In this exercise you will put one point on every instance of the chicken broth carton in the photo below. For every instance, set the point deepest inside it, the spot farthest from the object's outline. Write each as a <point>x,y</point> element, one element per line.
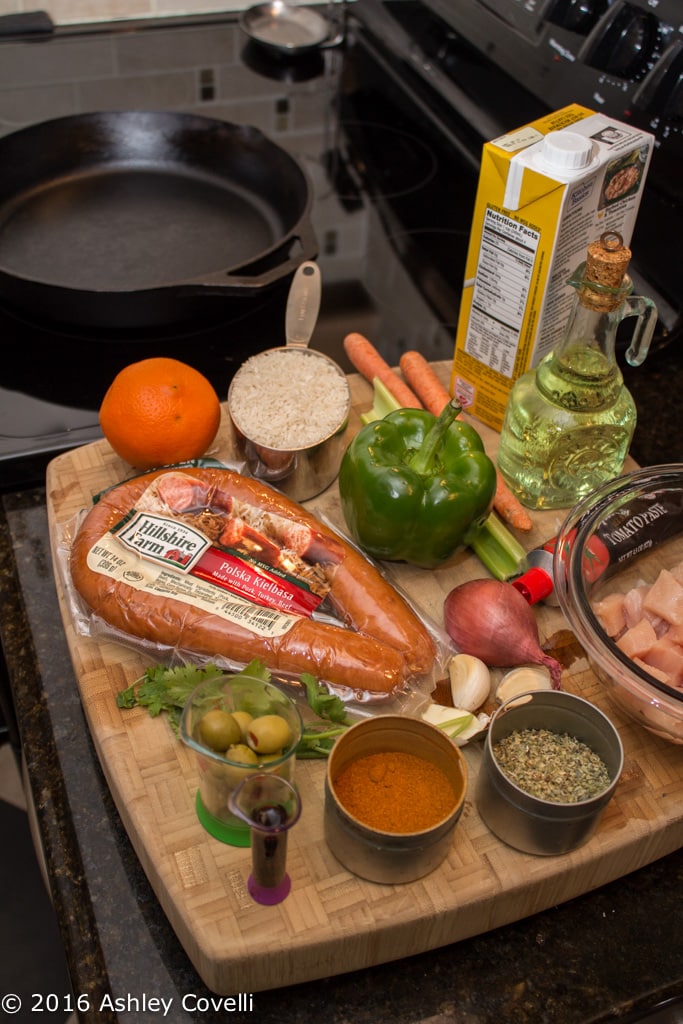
<point>545,192</point>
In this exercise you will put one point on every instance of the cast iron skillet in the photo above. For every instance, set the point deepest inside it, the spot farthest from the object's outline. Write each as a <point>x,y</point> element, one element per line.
<point>134,218</point>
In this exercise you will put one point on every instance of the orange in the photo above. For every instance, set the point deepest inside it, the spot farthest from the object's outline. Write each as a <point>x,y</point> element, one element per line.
<point>158,412</point>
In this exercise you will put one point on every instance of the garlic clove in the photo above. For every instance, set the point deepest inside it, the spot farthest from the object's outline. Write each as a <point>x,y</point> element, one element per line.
<point>458,724</point>
<point>447,717</point>
<point>522,680</point>
<point>477,726</point>
<point>470,681</point>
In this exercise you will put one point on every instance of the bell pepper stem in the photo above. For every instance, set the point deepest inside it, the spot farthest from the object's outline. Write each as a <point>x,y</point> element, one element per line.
<point>422,460</point>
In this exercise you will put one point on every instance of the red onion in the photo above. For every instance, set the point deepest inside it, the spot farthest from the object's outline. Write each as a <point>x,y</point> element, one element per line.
<point>492,621</point>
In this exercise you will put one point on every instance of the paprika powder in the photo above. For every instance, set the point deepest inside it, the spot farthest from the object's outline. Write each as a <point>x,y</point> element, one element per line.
<point>395,792</point>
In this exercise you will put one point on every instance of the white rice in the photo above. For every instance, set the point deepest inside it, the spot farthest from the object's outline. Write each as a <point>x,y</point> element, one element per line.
<point>288,398</point>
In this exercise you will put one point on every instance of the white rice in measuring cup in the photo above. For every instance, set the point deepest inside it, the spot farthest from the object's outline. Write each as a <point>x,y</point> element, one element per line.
<point>289,398</point>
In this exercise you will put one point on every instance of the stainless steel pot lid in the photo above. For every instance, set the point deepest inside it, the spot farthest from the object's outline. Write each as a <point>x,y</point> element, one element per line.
<point>287,28</point>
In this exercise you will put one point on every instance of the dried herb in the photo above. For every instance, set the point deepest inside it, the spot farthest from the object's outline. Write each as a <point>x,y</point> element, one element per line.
<point>551,766</point>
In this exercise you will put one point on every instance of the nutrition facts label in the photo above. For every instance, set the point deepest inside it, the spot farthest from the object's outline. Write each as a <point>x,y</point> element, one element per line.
<point>501,289</point>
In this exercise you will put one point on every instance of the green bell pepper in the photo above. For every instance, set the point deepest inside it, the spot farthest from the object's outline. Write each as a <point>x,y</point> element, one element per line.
<point>415,488</point>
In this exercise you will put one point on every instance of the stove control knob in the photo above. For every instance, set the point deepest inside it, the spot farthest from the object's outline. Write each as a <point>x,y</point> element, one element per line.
<point>623,43</point>
<point>577,15</point>
<point>661,93</point>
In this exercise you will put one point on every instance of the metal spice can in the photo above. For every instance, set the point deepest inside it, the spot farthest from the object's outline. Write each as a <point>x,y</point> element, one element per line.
<point>527,822</point>
<point>392,857</point>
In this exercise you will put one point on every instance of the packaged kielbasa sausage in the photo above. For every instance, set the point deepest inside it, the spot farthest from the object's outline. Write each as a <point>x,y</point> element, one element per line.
<point>208,563</point>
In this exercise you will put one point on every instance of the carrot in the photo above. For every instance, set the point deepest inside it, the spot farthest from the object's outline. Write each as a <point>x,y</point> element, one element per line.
<point>509,508</point>
<point>434,395</point>
<point>367,360</point>
<point>424,382</point>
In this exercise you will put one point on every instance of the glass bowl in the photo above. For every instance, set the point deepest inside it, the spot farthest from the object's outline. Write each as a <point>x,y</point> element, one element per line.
<point>621,537</point>
<point>221,774</point>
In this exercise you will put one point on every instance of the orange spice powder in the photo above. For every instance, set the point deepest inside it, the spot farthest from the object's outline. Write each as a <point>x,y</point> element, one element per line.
<point>395,792</point>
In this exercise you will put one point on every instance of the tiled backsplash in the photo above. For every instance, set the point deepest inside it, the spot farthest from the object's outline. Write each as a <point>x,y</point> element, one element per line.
<point>197,69</point>
<point>65,12</point>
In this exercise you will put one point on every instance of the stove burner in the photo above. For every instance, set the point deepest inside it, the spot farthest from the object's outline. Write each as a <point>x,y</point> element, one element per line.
<point>388,162</point>
<point>217,313</point>
<point>435,260</point>
<point>74,366</point>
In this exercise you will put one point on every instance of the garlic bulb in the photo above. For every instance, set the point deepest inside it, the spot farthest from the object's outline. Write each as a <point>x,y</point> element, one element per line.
<point>470,681</point>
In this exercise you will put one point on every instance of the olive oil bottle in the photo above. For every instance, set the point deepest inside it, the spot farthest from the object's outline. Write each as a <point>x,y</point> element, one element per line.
<point>570,421</point>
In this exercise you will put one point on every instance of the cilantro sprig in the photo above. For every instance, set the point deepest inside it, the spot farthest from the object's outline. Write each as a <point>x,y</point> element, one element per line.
<point>318,740</point>
<point>166,690</point>
<point>162,689</point>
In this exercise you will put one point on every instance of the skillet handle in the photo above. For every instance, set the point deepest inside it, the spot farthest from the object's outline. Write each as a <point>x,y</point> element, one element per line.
<point>260,273</point>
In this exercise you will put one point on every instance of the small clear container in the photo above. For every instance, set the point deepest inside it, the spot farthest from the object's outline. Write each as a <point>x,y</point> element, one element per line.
<point>220,775</point>
<point>270,806</point>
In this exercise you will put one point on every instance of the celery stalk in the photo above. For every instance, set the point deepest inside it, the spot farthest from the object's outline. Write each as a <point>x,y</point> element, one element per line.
<point>495,546</point>
<point>383,403</point>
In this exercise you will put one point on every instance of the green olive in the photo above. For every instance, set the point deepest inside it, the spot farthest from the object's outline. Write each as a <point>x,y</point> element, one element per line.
<point>268,734</point>
<point>244,720</point>
<point>274,755</point>
<point>218,729</point>
<point>243,762</point>
<point>241,753</point>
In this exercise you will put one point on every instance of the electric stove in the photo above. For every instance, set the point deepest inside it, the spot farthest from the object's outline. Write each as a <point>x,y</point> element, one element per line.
<point>388,126</point>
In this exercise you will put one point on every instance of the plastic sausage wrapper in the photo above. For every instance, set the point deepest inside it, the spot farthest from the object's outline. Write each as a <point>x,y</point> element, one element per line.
<point>200,563</point>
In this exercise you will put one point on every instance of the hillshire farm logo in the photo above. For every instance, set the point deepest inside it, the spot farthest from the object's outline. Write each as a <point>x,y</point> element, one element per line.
<point>162,540</point>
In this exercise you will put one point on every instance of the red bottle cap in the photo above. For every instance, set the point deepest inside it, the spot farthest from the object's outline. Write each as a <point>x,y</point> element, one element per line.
<point>534,585</point>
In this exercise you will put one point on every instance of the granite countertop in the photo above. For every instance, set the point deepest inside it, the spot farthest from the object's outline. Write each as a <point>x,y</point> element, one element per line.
<point>657,387</point>
<point>596,958</point>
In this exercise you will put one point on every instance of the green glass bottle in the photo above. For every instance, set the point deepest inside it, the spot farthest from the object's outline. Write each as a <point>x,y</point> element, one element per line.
<point>570,421</point>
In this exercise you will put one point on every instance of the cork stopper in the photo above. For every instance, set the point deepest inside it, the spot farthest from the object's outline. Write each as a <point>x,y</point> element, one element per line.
<point>606,266</point>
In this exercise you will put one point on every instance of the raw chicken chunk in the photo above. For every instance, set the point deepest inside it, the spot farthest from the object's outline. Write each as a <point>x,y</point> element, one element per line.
<point>611,613</point>
<point>665,599</point>
<point>646,623</point>
<point>668,658</point>
<point>637,641</point>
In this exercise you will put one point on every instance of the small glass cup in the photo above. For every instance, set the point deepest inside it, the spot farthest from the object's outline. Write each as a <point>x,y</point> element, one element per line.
<point>269,806</point>
<point>219,774</point>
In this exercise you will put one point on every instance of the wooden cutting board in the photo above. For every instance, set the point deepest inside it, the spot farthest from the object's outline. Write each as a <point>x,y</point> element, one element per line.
<point>333,922</point>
